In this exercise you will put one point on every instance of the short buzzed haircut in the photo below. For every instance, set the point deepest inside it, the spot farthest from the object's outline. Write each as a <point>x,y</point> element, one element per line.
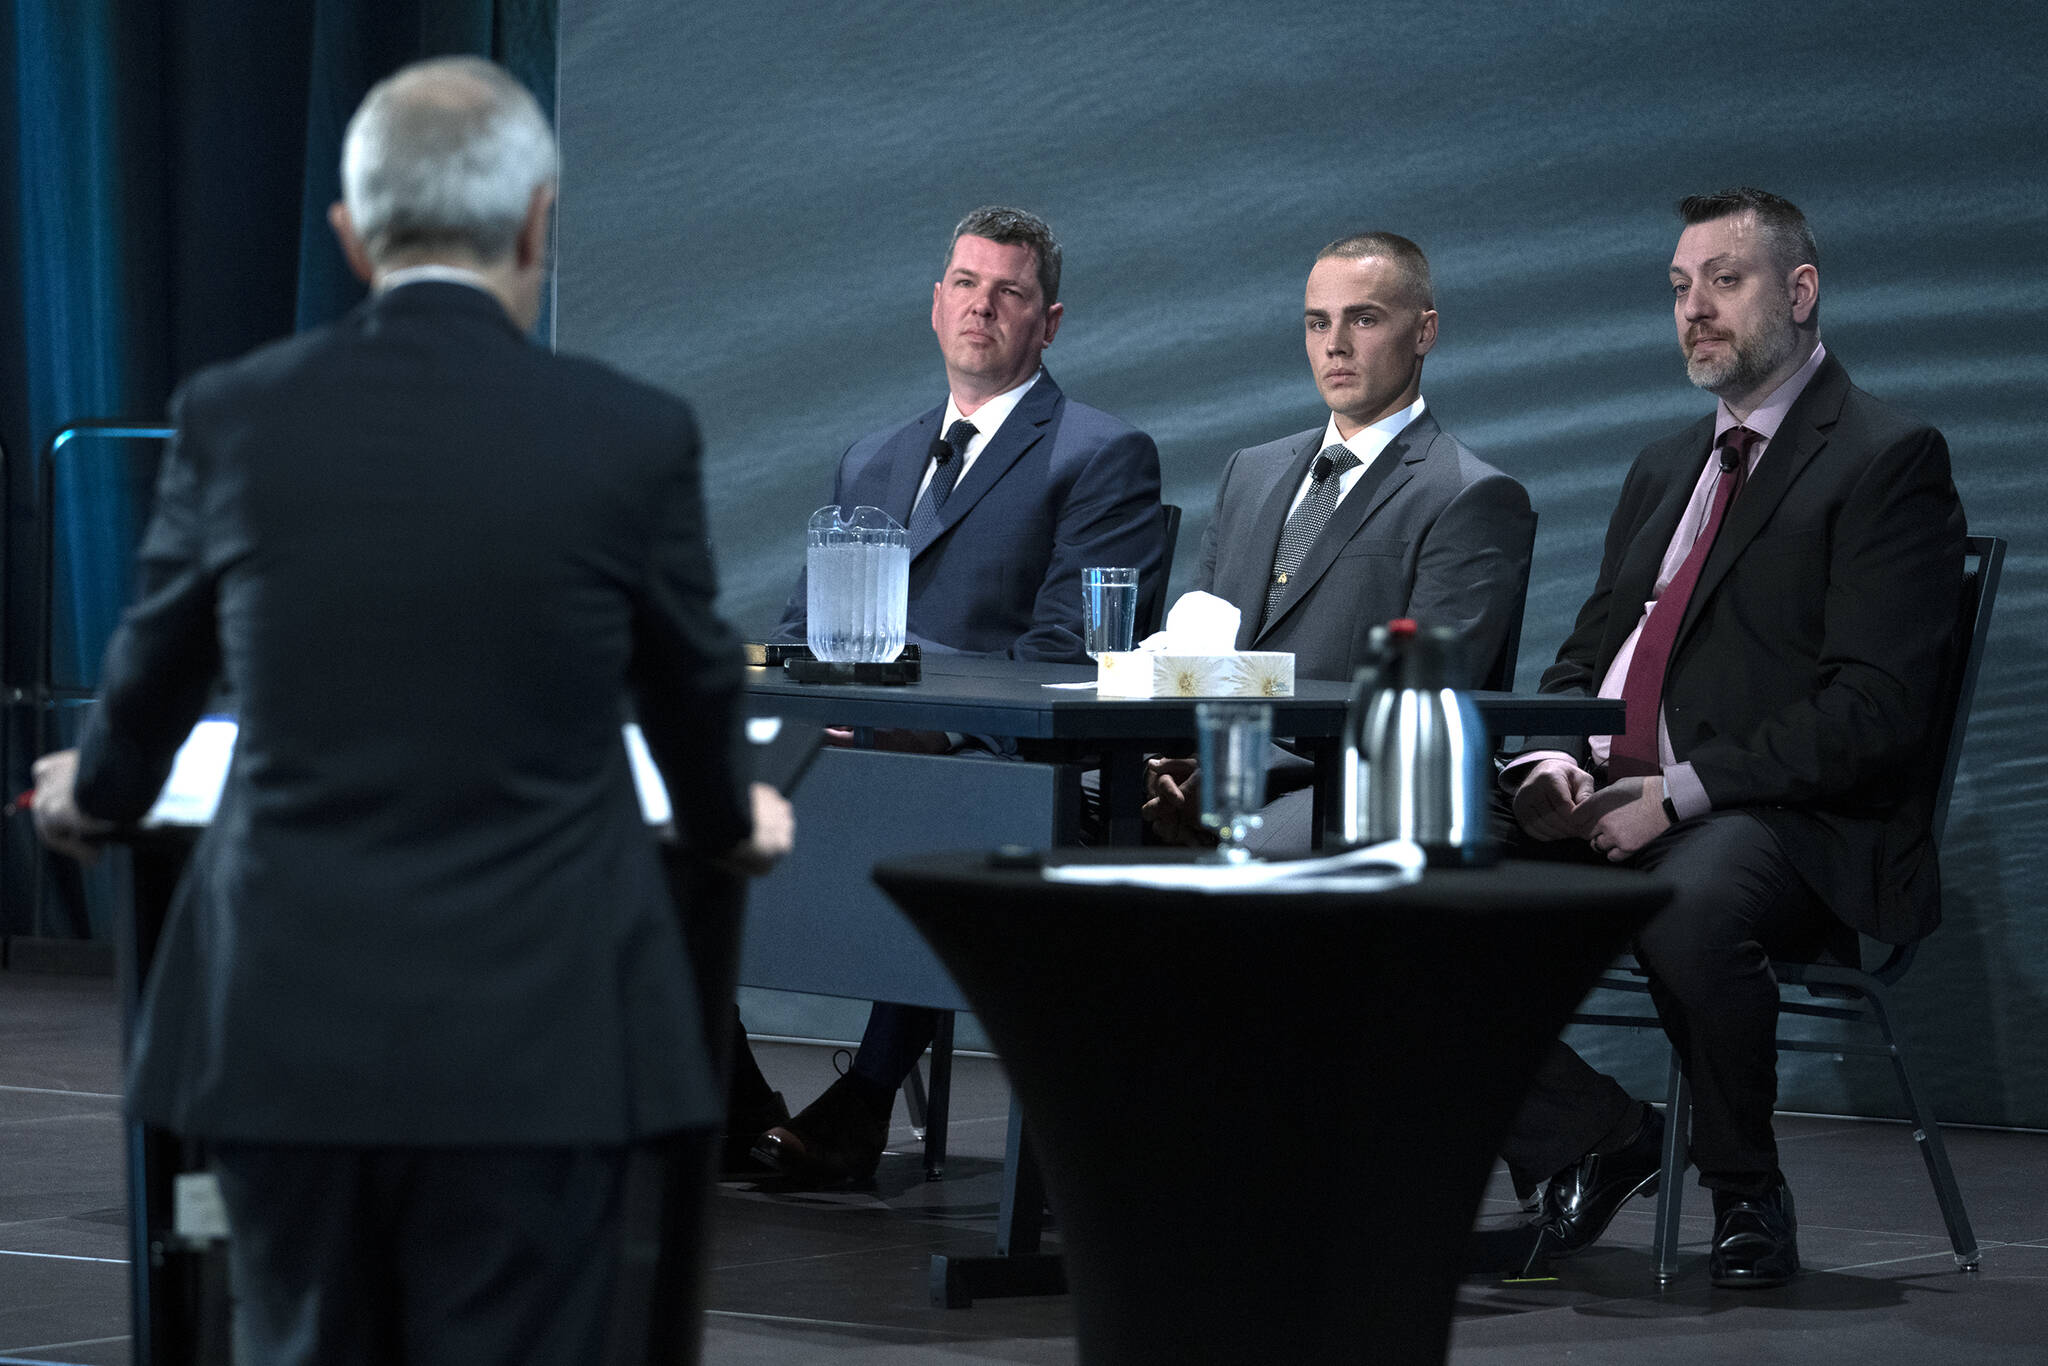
<point>1778,220</point>
<point>1389,246</point>
<point>1013,228</point>
<point>442,154</point>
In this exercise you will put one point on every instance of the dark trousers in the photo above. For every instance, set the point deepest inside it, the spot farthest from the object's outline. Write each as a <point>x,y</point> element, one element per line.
<point>1739,902</point>
<point>450,1256</point>
<point>896,1037</point>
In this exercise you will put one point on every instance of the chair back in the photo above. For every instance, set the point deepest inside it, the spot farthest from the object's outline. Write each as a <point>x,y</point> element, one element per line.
<point>1152,595</point>
<point>1983,562</point>
<point>1501,677</point>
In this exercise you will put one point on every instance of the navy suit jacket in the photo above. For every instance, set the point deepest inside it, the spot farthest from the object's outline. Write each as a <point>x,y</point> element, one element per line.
<point>1805,676</point>
<point>1059,488</point>
<point>433,561</point>
<point>1444,538</point>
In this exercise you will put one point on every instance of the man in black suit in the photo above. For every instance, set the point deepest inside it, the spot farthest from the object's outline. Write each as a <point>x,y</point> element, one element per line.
<point>1417,525</point>
<point>424,990</point>
<point>1776,603</point>
<point>1009,490</point>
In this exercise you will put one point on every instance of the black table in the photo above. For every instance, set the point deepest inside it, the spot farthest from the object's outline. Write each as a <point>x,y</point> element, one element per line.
<point>1266,1120</point>
<point>815,926</point>
<point>977,695</point>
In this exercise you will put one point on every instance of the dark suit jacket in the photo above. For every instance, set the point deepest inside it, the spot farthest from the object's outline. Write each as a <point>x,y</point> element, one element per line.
<point>1444,538</point>
<point>432,561</point>
<point>1803,683</point>
<point>1061,487</point>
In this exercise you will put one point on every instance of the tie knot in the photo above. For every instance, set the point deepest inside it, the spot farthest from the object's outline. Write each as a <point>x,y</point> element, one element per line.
<point>957,437</point>
<point>1740,441</point>
<point>1333,460</point>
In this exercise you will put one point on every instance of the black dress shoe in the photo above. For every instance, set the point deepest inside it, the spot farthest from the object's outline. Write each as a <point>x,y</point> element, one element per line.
<point>1581,1200</point>
<point>835,1139</point>
<point>736,1160</point>
<point>1756,1241</point>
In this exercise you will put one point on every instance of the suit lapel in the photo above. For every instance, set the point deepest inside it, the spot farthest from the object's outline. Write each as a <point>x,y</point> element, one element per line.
<point>1027,424</point>
<point>1263,539</point>
<point>1395,467</point>
<point>1800,438</point>
<point>909,452</point>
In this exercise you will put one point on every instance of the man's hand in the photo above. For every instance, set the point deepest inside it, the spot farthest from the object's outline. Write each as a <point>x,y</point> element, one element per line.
<point>1547,802</point>
<point>1174,807</point>
<point>1624,816</point>
<point>59,823</point>
<point>774,833</point>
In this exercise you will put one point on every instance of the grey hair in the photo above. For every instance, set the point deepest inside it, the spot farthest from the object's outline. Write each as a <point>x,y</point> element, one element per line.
<point>445,153</point>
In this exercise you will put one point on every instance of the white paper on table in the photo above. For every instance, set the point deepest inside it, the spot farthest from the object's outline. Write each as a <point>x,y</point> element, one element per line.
<point>1375,868</point>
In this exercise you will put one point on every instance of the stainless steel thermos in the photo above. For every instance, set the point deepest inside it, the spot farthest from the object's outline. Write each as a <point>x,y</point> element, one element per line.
<point>1417,758</point>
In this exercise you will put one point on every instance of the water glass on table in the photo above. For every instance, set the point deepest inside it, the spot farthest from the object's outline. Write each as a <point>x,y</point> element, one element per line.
<point>1109,609</point>
<point>1231,740</point>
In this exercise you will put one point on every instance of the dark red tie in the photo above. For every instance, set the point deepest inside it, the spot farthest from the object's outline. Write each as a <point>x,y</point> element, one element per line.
<point>1635,754</point>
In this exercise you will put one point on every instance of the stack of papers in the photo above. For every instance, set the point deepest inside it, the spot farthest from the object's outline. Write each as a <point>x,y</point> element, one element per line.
<point>1374,868</point>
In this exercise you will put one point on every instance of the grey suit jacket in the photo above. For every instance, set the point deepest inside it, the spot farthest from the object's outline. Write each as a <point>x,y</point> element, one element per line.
<point>1444,538</point>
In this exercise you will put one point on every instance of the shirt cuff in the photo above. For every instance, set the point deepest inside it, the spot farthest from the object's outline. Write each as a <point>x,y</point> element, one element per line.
<point>1687,794</point>
<point>1516,771</point>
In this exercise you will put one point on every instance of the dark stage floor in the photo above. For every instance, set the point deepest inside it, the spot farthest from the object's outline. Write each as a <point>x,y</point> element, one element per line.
<point>803,1278</point>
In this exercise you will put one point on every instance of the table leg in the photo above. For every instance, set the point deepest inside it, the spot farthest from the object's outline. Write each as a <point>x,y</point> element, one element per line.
<point>1018,1267</point>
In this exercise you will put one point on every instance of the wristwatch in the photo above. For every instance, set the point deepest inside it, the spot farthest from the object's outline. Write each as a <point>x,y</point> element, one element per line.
<point>1670,811</point>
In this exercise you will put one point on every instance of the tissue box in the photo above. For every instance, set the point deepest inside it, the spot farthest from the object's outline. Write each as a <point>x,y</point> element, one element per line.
<point>1161,673</point>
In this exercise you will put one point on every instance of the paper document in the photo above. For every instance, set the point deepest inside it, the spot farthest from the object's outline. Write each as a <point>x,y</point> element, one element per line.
<point>1374,868</point>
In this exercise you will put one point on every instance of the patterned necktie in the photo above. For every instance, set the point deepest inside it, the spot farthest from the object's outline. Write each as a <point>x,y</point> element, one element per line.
<point>1636,753</point>
<point>949,454</point>
<point>1306,524</point>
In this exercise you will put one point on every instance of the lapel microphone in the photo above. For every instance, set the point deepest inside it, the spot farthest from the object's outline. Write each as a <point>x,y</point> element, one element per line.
<point>941,451</point>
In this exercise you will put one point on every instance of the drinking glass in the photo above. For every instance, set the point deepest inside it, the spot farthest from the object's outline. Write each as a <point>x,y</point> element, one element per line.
<point>1231,749</point>
<point>1109,609</point>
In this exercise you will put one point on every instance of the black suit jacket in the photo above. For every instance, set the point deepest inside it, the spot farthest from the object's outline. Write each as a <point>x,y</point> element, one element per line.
<point>1804,680</point>
<point>432,561</point>
<point>1443,538</point>
<point>1060,488</point>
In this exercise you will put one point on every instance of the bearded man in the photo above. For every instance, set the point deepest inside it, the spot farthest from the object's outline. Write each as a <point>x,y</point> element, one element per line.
<point>1775,604</point>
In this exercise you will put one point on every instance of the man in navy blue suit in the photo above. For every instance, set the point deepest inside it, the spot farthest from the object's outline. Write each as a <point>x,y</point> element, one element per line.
<point>1009,489</point>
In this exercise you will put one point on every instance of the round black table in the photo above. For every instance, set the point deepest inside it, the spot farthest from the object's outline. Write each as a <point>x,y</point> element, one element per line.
<point>1266,1120</point>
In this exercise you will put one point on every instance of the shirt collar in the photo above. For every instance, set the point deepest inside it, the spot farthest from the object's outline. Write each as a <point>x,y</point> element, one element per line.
<point>1770,414</point>
<point>990,416</point>
<point>412,275</point>
<point>1367,442</point>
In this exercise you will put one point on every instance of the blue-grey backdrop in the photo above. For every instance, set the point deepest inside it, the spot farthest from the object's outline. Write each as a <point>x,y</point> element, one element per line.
<point>756,197</point>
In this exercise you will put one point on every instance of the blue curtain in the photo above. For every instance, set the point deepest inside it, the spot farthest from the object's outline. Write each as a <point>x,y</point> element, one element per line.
<point>165,172</point>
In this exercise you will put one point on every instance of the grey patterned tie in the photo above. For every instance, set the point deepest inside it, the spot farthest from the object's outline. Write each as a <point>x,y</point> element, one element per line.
<point>949,454</point>
<point>1307,522</point>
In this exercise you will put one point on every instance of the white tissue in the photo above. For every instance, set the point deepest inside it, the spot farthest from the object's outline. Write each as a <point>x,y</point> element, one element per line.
<point>1199,624</point>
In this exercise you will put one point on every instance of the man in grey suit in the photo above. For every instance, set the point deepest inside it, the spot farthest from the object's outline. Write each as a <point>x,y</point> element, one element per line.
<point>1376,514</point>
<point>423,991</point>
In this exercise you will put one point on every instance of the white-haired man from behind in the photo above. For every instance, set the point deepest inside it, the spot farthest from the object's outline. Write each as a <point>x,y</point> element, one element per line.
<point>423,992</point>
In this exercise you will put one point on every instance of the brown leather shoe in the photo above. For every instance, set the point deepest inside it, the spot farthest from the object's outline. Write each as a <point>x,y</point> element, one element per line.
<point>835,1139</point>
<point>736,1160</point>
